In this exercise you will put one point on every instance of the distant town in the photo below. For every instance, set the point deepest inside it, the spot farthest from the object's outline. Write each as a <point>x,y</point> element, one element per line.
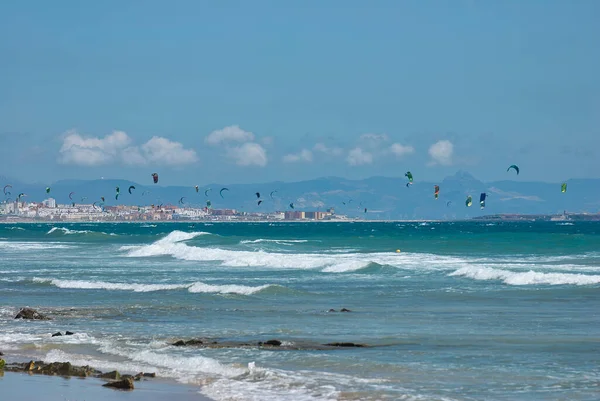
<point>49,210</point>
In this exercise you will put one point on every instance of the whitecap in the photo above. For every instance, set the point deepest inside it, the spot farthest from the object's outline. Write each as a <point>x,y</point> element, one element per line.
<point>526,278</point>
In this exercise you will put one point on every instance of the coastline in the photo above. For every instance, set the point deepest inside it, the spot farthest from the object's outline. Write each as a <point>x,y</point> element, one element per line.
<point>26,221</point>
<point>24,386</point>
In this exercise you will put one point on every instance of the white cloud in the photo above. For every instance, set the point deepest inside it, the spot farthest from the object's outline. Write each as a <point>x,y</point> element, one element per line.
<point>441,153</point>
<point>233,133</point>
<point>133,156</point>
<point>400,150</point>
<point>267,140</point>
<point>159,150</point>
<point>248,154</point>
<point>92,151</point>
<point>95,151</point>
<point>357,157</point>
<point>321,147</point>
<point>304,155</point>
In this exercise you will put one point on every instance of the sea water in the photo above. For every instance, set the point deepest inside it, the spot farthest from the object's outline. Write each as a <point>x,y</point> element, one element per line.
<point>464,310</point>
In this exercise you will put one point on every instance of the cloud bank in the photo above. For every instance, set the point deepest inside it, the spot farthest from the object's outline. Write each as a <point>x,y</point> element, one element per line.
<point>116,147</point>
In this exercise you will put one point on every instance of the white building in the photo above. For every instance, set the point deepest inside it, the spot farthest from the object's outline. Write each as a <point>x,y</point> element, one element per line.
<point>50,203</point>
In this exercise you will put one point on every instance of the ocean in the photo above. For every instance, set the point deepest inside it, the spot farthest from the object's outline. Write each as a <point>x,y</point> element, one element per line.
<point>464,310</point>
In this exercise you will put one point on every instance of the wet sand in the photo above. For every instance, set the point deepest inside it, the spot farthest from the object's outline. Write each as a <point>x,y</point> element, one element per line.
<point>23,386</point>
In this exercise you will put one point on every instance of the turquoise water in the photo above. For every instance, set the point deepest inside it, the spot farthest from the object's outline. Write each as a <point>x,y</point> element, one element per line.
<point>466,310</point>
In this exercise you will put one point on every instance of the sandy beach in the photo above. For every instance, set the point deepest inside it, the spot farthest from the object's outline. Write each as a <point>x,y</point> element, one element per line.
<point>24,386</point>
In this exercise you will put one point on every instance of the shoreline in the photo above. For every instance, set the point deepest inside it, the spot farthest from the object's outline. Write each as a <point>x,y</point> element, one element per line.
<point>28,386</point>
<point>222,222</point>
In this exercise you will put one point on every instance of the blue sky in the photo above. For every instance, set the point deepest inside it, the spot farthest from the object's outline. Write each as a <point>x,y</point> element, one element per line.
<point>267,90</point>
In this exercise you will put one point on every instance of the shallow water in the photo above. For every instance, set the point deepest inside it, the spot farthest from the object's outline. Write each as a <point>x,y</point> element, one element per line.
<point>466,310</point>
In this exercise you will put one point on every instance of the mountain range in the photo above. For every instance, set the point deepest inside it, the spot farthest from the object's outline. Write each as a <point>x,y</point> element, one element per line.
<point>383,197</point>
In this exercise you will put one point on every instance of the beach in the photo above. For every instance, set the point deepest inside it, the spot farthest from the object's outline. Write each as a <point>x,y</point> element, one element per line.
<point>23,386</point>
<point>455,311</point>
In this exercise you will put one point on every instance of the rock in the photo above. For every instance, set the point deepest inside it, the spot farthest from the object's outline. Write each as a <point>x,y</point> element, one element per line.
<point>344,345</point>
<point>125,384</point>
<point>345,310</point>
<point>114,375</point>
<point>1,354</point>
<point>181,343</point>
<point>332,310</point>
<point>56,334</point>
<point>52,369</point>
<point>149,374</point>
<point>2,364</point>
<point>28,313</point>
<point>68,333</point>
<point>65,369</point>
<point>273,343</point>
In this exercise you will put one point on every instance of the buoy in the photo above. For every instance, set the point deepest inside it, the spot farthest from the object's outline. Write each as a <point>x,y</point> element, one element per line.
<point>397,250</point>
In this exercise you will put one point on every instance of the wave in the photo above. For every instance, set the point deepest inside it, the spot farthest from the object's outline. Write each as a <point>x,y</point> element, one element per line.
<point>196,287</point>
<point>228,288</point>
<point>287,242</point>
<point>526,278</point>
<point>329,262</point>
<point>32,246</point>
<point>66,231</point>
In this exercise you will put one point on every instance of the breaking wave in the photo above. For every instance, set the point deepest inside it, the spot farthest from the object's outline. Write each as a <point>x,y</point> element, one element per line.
<point>329,262</point>
<point>66,231</point>
<point>286,242</point>
<point>526,278</point>
<point>196,287</point>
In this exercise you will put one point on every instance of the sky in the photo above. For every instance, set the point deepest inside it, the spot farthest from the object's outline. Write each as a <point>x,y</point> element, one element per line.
<point>238,91</point>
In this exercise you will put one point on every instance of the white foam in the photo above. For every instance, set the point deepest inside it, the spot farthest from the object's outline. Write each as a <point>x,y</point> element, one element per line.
<point>67,231</point>
<point>226,289</point>
<point>32,246</point>
<point>332,263</point>
<point>286,242</point>
<point>197,287</point>
<point>526,278</point>
<point>102,285</point>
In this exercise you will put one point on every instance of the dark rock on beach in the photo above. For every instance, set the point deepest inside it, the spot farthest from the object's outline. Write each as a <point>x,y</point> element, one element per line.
<point>345,310</point>
<point>68,333</point>
<point>272,343</point>
<point>114,375</point>
<point>344,345</point>
<point>56,334</point>
<point>53,369</point>
<point>32,314</point>
<point>125,384</point>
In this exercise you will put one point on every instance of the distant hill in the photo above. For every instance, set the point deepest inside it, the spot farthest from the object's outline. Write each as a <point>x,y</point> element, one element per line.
<point>384,197</point>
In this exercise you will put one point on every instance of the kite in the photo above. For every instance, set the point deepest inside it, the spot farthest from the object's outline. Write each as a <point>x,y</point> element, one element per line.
<point>482,199</point>
<point>515,167</point>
